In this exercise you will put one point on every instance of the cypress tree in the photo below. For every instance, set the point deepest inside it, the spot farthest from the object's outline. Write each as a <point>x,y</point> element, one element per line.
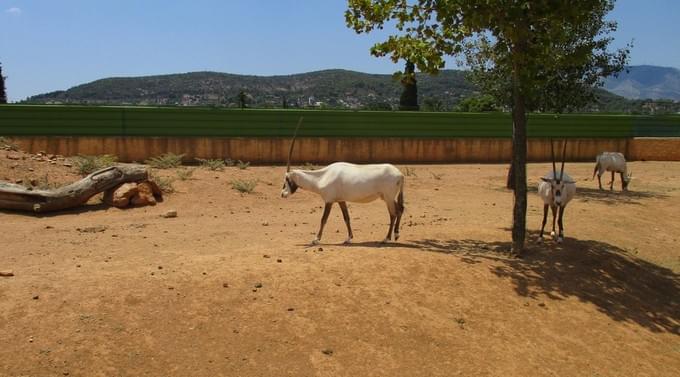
<point>409,97</point>
<point>3,94</point>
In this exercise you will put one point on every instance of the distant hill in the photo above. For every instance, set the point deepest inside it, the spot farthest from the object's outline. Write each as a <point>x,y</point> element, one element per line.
<point>338,88</point>
<point>646,81</point>
<point>332,88</point>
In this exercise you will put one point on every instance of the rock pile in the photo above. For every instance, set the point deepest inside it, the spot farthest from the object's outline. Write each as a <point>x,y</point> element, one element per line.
<point>133,194</point>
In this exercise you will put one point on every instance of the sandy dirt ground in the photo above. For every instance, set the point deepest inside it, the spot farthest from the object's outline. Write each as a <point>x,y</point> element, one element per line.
<point>232,286</point>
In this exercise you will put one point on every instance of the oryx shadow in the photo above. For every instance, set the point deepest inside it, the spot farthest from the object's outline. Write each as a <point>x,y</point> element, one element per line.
<point>619,284</point>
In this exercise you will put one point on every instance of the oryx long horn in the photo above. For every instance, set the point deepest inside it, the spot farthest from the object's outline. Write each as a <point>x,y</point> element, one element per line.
<point>292,143</point>
<point>564,157</point>
<point>552,153</point>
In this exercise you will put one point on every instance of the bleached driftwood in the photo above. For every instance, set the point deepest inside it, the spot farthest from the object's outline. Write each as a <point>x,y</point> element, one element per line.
<point>18,197</point>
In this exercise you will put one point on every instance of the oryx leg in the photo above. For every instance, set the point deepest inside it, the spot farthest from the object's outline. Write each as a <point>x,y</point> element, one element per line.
<point>560,237</point>
<point>324,218</point>
<point>545,219</point>
<point>391,207</point>
<point>397,222</point>
<point>554,217</point>
<point>623,187</point>
<point>599,180</point>
<point>345,215</point>
<point>611,184</point>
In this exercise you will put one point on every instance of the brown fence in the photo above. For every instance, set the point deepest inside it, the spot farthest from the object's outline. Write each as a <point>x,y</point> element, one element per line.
<point>324,150</point>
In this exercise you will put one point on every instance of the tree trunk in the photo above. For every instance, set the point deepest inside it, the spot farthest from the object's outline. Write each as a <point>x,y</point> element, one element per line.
<point>519,160</point>
<point>18,197</point>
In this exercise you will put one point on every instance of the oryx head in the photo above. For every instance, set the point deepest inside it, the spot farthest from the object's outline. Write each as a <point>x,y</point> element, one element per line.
<point>626,180</point>
<point>289,185</point>
<point>557,184</point>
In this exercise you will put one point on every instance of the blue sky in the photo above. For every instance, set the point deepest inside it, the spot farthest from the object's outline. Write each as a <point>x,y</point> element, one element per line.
<point>52,45</point>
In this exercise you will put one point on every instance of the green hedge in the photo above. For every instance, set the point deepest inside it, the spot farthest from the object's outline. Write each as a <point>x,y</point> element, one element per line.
<point>26,120</point>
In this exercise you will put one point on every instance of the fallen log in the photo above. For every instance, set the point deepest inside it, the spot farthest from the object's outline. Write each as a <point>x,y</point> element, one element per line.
<point>17,197</point>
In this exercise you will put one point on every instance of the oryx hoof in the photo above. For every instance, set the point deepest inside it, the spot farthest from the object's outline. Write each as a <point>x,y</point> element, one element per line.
<point>560,239</point>
<point>348,241</point>
<point>316,241</point>
<point>553,234</point>
<point>386,240</point>
<point>396,236</point>
<point>539,239</point>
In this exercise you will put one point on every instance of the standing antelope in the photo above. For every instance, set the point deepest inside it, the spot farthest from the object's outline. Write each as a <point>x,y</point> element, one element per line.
<point>614,162</point>
<point>343,182</point>
<point>556,191</point>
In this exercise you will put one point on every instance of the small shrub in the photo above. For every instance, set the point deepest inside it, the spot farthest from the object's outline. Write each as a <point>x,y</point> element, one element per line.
<point>164,183</point>
<point>409,172</point>
<point>89,164</point>
<point>229,162</point>
<point>184,174</point>
<point>165,161</point>
<point>215,165</point>
<point>242,165</point>
<point>244,186</point>
<point>6,143</point>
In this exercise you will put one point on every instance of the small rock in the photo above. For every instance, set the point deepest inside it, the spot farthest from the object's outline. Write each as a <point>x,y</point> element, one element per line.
<point>33,182</point>
<point>19,181</point>
<point>92,229</point>
<point>67,164</point>
<point>148,193</point>
<point>36,297</point>
<point>225,285</point>
<point>279,261</point>
<point>327,352</point>
<point>30,169</point>
<point>320,249</point>
<point>291,309</point>
<point>13,156</point>
<point>258,285</point>
<point>7,273</point>
<point>169,214</point>
<point>266,256</point>
<point>265,223</point>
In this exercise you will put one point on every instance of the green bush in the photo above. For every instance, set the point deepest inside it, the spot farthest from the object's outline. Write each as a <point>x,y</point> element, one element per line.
<point>215,165</point>
<point>244,186</point>
<point>165,161</point>
<point>89,164</point>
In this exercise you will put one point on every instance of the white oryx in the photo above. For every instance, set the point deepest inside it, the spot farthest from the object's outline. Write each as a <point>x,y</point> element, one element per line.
<point>343,182</point>
<point>614,162</point>
<point>556,190</point>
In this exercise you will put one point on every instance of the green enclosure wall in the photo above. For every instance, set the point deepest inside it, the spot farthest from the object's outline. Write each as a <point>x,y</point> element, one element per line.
<point>25,120</point>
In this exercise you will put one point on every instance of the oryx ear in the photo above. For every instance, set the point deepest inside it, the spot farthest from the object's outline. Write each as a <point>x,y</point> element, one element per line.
<point>544,179</point>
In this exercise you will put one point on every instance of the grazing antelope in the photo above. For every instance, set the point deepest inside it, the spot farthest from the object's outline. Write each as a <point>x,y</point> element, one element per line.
<point>614,162</point>
<point>343,182</point>
<point>556,191</point>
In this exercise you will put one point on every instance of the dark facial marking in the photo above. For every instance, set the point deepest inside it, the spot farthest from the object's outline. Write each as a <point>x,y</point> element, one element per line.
<point>293,186</point>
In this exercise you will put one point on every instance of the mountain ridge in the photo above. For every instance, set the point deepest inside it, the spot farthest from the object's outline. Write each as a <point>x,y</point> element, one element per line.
<point>332,88</point>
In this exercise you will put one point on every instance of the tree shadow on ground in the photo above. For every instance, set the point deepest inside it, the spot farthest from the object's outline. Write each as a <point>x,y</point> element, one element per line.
<point>620,285</point>
<point>586,194</point>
